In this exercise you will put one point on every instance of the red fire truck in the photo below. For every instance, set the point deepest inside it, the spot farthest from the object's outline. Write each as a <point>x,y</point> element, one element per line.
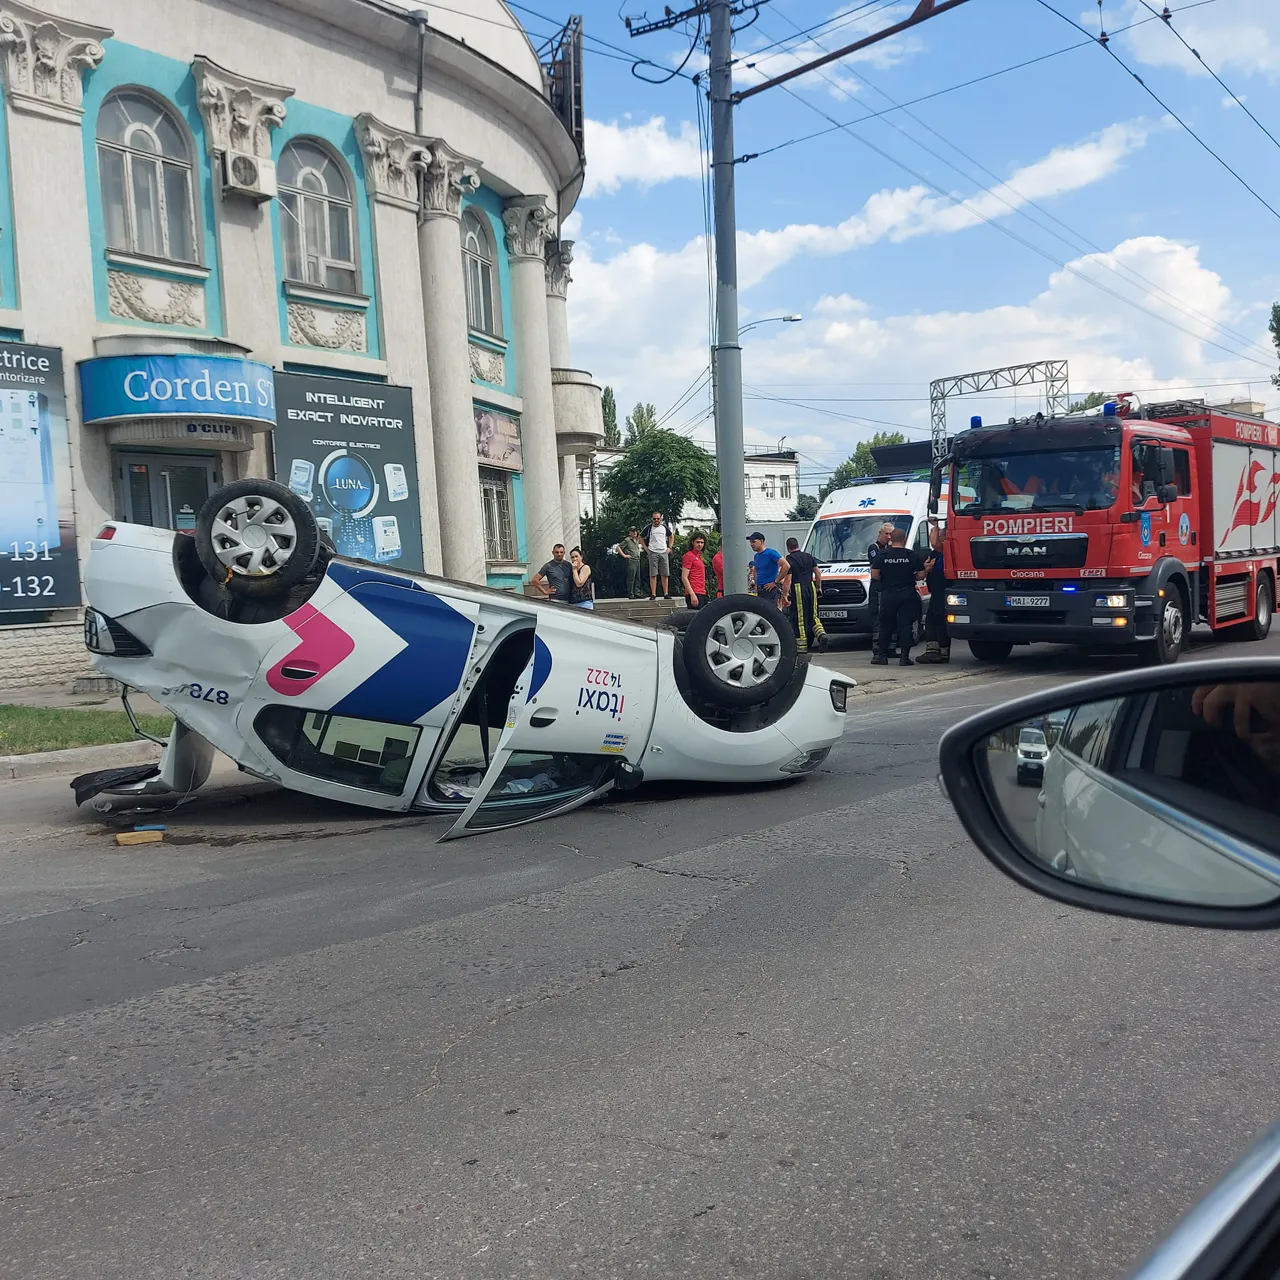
<point>1113,530</point>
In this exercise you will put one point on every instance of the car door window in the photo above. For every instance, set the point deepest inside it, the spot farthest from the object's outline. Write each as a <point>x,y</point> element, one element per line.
<point>533,782</point>
<point>372,754</point>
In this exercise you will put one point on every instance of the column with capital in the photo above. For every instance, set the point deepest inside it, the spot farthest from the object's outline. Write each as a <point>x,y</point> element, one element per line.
<point>44,57</point>
<point>528,224</point>
<point>392,161</point>
<point>446,177</point>
<point>559,258</point>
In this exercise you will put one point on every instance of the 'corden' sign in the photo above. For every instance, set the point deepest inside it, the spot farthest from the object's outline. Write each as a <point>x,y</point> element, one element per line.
<point>114,388</point>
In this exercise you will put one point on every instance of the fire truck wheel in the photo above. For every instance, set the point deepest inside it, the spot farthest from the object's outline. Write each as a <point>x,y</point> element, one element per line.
<point>1260,624</point>
<point>1171,631</point>
<point>990,650</point>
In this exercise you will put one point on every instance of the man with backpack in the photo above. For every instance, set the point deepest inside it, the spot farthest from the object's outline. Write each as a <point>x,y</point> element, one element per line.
<point>658,538</point>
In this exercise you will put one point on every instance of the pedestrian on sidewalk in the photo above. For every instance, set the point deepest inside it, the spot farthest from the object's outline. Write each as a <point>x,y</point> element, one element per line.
<point>693,572</point>
<point>582,593</point>
<point>631,549</point>
<point>764,568</point>
<point>937,646</point>
<point>800,584</point>
<point>717,567</point>
<point>555,578</point>
<point>898,571</point>
<point>658,539</point>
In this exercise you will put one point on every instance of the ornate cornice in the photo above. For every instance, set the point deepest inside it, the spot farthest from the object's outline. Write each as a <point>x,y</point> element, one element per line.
<point>392,161</point>
<point>528,223</point>
<point>559,258</point>
<point>239,113</point>
<point>44,57</point>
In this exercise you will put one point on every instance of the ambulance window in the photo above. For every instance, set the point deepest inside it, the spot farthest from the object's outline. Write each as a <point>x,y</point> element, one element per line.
<point>922,536</point>
<point>1182,472</point>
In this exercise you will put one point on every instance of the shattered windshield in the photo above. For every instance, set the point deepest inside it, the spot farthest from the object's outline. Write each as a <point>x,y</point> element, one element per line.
<point>1050,480</point>
<point>848,537</point>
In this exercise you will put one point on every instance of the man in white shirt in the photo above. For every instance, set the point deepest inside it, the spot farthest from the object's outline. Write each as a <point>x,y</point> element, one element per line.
<point>658,538</point>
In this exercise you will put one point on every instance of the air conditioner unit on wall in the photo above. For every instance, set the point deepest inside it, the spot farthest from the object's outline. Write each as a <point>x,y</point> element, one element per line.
<point>244,174</point>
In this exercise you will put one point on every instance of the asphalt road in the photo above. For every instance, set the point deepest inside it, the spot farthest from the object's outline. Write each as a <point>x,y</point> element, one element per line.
<point>796,1032</point>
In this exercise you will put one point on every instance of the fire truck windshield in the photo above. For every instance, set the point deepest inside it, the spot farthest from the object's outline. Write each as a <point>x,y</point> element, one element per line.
<point>848,537</point>
<point>1047,480</point>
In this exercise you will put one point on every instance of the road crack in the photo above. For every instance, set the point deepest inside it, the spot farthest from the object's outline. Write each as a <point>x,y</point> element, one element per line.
<point>740,881</point>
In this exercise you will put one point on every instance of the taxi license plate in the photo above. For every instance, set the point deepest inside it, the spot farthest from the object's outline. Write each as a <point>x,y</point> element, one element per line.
<point>833,613</point>
<point>1026,602</point>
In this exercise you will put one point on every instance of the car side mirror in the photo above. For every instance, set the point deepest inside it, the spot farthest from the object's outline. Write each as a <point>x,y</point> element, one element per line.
<point>1154,795</point>
<point>1167,493</point>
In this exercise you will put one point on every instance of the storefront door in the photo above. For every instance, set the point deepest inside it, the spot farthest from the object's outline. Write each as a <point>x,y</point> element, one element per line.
<point>165,489</point>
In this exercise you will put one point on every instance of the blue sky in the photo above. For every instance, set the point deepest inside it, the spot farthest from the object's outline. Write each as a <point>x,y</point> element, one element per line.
<point>897,283</point>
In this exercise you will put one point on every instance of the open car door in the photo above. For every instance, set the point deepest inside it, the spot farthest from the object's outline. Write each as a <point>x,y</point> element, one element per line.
<point>583,704</point>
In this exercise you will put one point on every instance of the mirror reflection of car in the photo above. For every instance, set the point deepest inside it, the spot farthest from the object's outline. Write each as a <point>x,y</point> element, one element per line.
<point>1160,802</point>
<point>1032,751</point>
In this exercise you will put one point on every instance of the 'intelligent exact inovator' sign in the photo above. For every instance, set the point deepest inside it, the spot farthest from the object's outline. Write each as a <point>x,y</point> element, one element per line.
<point>346,448</point>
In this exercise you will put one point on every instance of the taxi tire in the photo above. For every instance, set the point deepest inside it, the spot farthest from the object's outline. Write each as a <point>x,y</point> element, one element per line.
<point>704,678</point>
<point>283,579</point>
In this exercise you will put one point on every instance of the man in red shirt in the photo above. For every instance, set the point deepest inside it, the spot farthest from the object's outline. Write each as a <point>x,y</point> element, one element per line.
<point>693,573</point>
<point>717,567</point>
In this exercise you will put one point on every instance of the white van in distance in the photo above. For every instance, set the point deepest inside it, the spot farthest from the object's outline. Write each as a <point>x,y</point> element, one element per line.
<point>846,525</point>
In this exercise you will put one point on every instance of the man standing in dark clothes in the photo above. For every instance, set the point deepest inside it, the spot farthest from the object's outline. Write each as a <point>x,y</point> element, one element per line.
<point>800,579</point>
<point>555,578</point>
<point>937,647</point>
<point>898,572</point>
<point>873,596</point>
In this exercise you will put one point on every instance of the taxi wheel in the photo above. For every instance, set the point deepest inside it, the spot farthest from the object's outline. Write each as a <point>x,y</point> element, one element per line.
<point>256,538</point>
<point>739,651</point>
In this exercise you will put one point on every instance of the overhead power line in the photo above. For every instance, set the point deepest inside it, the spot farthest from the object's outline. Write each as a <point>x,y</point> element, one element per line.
<point>1167,18</point>
<point>1076,239</point>
<point>1105,42</point>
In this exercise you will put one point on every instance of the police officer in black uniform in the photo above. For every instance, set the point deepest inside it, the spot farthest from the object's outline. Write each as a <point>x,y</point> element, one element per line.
<point>898,571</point>
<point>937,637</point>
<point>873,596</point>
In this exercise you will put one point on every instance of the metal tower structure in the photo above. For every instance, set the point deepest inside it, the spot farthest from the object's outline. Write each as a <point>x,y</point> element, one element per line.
<point>1053,373</point>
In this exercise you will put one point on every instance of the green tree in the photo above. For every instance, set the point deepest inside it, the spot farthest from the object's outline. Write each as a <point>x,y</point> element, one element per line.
<point>1091,401</point>
<point>1274,326</point>
<point>860,462</point>
<point>661,471</point>
<point>640,421</point>
<point>805,509</point>
<point>612,435</point>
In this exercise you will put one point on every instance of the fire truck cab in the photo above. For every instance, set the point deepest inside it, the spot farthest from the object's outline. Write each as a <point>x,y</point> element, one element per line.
<point>1112,530</point>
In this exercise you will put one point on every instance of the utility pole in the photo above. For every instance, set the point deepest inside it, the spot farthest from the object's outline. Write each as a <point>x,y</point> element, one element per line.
<point>726,355</point>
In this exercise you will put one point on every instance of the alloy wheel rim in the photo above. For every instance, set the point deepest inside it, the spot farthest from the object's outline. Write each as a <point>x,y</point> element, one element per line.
<point>743,649</point>
<point>254,536</point>
<point>1172,624</point>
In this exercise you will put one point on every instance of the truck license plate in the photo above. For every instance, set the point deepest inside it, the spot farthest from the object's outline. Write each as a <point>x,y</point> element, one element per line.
<point>1026,602</point>
<point>833,613</point>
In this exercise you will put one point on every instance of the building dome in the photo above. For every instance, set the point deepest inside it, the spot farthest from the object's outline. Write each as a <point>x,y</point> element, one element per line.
<point>490,29</point>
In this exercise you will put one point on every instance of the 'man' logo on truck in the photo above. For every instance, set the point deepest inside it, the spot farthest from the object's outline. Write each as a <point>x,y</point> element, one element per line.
<point>1038,549</point>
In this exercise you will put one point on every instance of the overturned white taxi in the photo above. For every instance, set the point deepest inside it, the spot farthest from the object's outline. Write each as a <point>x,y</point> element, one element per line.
<point>398,691</point>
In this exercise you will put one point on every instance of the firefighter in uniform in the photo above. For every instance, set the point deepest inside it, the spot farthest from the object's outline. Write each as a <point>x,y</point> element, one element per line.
<point>800,579</point>
<point>898,572</point>
<point>937,646</point>
<point>873,596</point>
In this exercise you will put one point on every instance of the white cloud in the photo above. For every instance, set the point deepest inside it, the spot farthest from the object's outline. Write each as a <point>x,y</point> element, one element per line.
<point>639,323</point>
<point>1241,37</point>
<point>644,154</point>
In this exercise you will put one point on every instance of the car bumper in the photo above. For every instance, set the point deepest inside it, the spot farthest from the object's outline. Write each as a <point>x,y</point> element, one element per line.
<point>1071,617</point>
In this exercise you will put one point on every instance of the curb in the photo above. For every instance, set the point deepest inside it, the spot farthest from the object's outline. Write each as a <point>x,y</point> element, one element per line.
<point>51,764</point>
<point>888,684</point>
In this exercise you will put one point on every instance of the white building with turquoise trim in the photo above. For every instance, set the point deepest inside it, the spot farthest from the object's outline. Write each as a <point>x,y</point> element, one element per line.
<point>335,196</point>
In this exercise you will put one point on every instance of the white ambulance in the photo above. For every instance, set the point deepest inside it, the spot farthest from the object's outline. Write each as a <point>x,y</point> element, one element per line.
<point>846,526</point>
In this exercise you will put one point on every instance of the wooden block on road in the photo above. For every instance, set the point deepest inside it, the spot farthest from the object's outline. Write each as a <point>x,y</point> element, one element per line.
<point>139,837</point>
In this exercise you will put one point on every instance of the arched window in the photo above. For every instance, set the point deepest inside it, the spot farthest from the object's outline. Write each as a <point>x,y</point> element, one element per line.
<point>483,311</point>
<point>317,221</point>
<point>144,166</point>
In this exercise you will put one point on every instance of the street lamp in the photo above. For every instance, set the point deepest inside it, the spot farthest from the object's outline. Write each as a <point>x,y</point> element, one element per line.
<point>789,319</point>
